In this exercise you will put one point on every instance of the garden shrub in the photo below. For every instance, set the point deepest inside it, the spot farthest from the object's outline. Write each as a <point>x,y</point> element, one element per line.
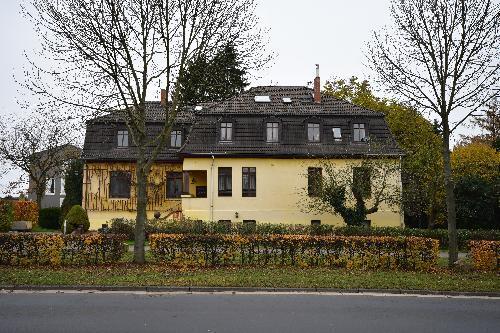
<point>6,216</point>
<point>25,211</point>
<point>76,216</point>
<point>49,218</point>
<point>485,255</point>
<point>358,252</point>
<point>126,226</point>
<point>57,249</point>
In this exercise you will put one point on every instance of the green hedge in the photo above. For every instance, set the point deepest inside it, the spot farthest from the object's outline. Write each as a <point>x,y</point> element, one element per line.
<point>56,249</point>
<point>6,216</point>
<point>49,218</point>
<point>126,227</point>
<point>357,252</point>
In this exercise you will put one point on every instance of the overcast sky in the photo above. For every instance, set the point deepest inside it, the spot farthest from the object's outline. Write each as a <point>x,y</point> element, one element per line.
<point>332,33</point>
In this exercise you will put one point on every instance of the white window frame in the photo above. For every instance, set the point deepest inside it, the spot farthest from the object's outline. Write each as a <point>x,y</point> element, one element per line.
<point>273,129</point>
<point>51,183</point>
<point>122,139</point>
<point>62,191</point>
<point>337,134</point>
<point>359,132</point>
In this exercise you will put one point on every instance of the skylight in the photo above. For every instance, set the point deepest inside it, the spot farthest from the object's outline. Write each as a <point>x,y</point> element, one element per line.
<point>262,99</point>
<point>287,100</point>
<point>198,108</point>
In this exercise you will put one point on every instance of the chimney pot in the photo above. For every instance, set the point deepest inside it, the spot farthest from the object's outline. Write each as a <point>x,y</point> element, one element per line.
<point>163,97</point>
<point>317,86</point>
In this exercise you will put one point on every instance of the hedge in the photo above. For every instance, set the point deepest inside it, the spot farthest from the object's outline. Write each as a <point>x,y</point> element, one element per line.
<point>56,249</point>
<point>25,210</point>
<point>414,253</point>
<point>485,255</point>
<point>6,216</point>
<point>126,226</point>
<point>49,218</point>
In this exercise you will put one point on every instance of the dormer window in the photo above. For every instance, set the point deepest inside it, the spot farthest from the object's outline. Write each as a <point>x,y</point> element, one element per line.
<point>226,131</point>
<point>176,138</point>
<point>337,134</point>
<point>359,133</point>
<point>272,130</point>
<point>313,132</point>
<point>122,137</point>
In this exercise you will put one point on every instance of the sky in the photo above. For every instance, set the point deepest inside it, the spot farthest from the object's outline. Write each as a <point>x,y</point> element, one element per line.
<point>331,33</point>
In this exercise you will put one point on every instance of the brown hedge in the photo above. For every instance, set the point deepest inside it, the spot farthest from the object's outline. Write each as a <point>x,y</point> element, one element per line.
<point>414,253</point>
<point>56,249</point>
<point>485,255</point>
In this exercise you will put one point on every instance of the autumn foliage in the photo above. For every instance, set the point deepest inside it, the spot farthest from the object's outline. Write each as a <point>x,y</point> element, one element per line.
<point>55,249</point>
<point>413,253</point>
<point>485,255</point>
<point>25,211</point>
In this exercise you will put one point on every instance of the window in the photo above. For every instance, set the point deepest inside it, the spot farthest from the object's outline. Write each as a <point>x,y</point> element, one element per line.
<point>63,192</point>
<point>361,181</point>
<point>272,132</point>
<point>174,184</point>
<point>249,225</point>
<point>359,132</point>
<point>313,181</point>
<point>226,131</point>
<point>201,191</point>
<point>50,187</point>
<point>122,139</point>
<point>119,184</point>
<point>315,222</point>
<point>225,182</point>
<point>175,138</point>
<point>313,132</point>
<point>337,134</point>
<point>248,182</point>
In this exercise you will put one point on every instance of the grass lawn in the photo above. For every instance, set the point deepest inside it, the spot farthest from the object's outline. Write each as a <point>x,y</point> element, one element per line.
<point>152,274</point>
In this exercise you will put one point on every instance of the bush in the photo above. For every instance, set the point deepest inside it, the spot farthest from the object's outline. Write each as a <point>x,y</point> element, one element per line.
<point>75,217</point>
<point>125,226</point>
<point>485,255</point>
<point>413,253</point>
<point>25,211</point>
<point>6,216</point>
<point>49,218</point>
<point>56,249</point>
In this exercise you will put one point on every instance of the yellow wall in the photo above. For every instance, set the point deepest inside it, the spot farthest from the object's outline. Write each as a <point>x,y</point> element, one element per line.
<point>280,193</point>
<point>101,208</point>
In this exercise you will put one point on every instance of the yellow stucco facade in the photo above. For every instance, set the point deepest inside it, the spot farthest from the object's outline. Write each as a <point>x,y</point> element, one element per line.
<point>280,193</point>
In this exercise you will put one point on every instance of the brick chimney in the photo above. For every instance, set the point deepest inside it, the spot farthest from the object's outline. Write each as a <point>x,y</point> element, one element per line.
<point>163,97</point>
<point>317,86</point>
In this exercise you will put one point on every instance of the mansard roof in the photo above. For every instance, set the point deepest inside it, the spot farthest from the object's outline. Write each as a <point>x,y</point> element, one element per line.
<point>292,107</point>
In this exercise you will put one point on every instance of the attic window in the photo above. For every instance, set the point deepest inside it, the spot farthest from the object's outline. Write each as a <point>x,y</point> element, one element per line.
<point>287,100</point>
<point>262,99</point>
<point>337,134</point>
<point>122,137</point>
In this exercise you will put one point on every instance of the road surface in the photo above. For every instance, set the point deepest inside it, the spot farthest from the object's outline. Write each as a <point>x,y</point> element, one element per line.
<point>240,312</point>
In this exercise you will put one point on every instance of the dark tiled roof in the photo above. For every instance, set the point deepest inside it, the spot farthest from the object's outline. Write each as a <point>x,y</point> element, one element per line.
<point>249,118</point>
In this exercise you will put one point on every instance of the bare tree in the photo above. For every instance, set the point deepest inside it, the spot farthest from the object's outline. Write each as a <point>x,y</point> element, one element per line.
<point>442,55</point>
<point>353,191</point>
<point>39,146</point>
<point>113,53</point>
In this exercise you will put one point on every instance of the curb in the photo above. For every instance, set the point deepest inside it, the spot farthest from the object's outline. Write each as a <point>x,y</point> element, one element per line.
<point>271,290</point>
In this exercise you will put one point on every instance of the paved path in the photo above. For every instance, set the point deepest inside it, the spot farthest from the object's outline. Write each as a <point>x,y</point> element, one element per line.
<point>202,312</point>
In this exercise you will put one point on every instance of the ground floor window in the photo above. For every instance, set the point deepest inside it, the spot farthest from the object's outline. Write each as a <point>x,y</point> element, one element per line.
<point>174,184</point>
<point>249,182</point>
<point>225,182</point>
<point>119,184</point>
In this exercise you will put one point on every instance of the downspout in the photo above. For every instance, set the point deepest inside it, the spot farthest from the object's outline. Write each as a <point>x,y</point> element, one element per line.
<point>212,189</point>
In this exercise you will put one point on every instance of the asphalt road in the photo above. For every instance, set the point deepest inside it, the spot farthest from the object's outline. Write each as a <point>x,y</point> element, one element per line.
<point>203,312</point>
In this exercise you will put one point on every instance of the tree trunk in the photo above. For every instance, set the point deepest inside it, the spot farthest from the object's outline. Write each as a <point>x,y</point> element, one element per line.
<point>450,197</point>
<point>39,195</point>
<point>142,201</point>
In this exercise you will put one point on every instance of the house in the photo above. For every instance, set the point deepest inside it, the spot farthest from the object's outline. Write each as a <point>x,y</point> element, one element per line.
<point>54,189</point>
<point>243,159</point>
